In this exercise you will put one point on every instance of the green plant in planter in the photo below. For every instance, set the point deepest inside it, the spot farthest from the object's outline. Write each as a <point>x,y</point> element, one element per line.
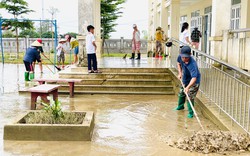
<point>54,107</point>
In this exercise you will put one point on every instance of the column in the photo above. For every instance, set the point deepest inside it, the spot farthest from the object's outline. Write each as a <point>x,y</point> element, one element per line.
<point>164,17</point>
<point>221,13</point>
<point>245,14</point>
<point>89,13</point>
<point>174,18</point>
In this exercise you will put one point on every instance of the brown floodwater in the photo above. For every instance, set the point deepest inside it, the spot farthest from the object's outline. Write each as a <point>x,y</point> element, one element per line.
<point>124,124</point>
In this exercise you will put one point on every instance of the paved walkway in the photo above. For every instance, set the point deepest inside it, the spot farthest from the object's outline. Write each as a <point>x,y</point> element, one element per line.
<point>109,62</point>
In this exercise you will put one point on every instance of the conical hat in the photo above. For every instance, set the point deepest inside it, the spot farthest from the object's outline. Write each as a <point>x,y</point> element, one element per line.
<point>36,44</point>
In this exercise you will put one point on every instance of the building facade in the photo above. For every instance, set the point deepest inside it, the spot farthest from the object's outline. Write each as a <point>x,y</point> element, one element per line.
<point>224,25</point>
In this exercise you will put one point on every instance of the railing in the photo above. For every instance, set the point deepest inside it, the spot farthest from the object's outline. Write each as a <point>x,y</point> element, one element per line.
<point>225,86</point>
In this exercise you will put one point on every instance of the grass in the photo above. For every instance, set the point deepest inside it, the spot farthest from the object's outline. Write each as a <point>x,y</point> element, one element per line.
<point>10,58</point>
<point>47,118</point>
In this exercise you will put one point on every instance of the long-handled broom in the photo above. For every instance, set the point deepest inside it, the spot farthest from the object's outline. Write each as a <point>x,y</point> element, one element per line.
<point>52,63</point>
<point>193,108</point>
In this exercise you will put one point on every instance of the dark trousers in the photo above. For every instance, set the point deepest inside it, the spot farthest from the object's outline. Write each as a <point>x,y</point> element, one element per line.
<point>92,61</point>
<point>28,66</point>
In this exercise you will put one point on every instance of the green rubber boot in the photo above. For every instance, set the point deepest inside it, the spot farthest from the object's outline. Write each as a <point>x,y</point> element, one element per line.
<point>190,110</point>
<point>32,76</point>
<point>181,102</point>
<point>26,76</point>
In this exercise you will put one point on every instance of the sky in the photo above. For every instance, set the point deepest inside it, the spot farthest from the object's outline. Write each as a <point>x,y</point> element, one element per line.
<point>135,11</point>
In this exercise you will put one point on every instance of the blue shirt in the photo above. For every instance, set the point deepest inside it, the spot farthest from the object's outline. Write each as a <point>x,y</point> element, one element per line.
<point>32,55</point>
<point>189,71</point>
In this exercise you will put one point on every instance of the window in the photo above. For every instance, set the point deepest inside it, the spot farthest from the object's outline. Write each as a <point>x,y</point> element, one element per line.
<point>196,20</point>
<point>235,15</point>
<point>234,2</point>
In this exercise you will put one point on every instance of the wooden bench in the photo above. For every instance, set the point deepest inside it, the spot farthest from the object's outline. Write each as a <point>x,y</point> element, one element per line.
<point>71,83</point>
<point>43,91</point>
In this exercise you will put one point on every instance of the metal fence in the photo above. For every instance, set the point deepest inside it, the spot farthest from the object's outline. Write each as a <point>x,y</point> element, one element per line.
<point>227,87</point>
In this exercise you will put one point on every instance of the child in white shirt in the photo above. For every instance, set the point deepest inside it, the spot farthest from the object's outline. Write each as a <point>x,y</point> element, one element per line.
<point>61,52</point>
<point>91,50</point>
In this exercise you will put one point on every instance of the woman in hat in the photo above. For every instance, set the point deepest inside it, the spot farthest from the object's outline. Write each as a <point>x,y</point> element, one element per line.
<point>73,45</point>
<point>61,52</point>
<point>31,55</point>
<point>159,39</point>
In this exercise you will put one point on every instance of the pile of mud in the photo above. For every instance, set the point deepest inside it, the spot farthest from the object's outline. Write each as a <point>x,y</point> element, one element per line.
<point>213,142</point>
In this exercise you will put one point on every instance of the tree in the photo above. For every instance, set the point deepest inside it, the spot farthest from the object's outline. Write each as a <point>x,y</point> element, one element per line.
<point>43,27</point>
<point>31,33</point>
<point>145,34</point>
<point>73,34</point>
<point>110,12</point>
<point>8,34</point>
<point>16,8</point>
<point>48,34</point>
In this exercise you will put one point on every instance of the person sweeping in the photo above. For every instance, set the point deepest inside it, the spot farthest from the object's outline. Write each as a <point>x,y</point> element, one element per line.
<point>31,55</point>
<point>190,76</point>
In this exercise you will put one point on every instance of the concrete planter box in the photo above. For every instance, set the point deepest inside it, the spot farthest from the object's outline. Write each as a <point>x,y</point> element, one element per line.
<point>51,132</point>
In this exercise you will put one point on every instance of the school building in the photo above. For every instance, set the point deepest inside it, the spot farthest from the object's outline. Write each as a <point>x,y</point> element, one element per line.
<point>225,26</point>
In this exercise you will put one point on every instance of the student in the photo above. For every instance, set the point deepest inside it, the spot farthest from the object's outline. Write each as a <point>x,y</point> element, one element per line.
<point>31,55</point>
<point>74,44</point>
<point>136,43</point>
<point>184,37</point>
<point>61,52</point>
<point>91,50</point>
<point>40,51</point>
<point>159,39</point>
<point>195,37</point>
<point>190,75</point>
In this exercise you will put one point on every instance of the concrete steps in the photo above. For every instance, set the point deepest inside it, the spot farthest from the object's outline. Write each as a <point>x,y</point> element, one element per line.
<point>145,81</point>
<point>78,75</point>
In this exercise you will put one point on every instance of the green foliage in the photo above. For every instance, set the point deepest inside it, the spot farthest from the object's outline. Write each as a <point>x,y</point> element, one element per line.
<point>47,34</point>
<point>110,12</point>
<point>54,108</point>
<point>16,8</point>
<point>8,34</point>
<point>145,34</point>
<point>29,32</point>
<point>73,34</point>
<point>44,27</point>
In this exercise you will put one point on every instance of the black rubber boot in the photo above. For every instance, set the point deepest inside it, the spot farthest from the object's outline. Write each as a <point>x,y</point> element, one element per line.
<point>138,56</point>
<point>133,56</point>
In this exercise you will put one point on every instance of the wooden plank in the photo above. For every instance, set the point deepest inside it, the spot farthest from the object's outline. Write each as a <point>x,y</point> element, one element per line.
<point>45,88</point>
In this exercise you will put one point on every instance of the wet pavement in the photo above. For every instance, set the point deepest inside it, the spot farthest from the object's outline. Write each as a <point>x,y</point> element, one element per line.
<point>124,124</point>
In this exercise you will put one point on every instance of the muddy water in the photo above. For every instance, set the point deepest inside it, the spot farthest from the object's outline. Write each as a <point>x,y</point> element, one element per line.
<point>125,125</point>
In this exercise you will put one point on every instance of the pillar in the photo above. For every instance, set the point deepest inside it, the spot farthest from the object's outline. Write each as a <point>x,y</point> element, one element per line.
<point>219,24</point>
<point>245,14</point>
<point>164,17</point>
<point>174,18</point>
<point>89,13</point>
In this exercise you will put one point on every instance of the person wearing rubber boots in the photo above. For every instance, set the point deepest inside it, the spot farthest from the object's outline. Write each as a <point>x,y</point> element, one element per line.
<point>190,75</point>
<point>31,55</point>
<point>136,43</point>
